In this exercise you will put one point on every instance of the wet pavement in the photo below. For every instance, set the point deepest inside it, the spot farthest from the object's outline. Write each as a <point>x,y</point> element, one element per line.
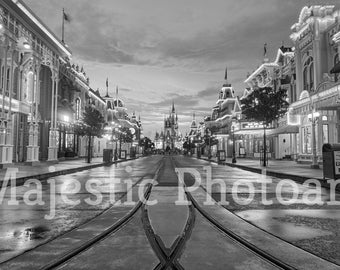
<point>23,227</point>
<point>313,227</point>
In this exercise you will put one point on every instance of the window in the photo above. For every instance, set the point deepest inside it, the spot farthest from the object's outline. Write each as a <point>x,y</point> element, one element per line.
<point>308,74</point>
<point>29,87</point>
<point>325,135</point>
<point>78,108</point>
<point>336,60</point>
<point>306,140</point>
<point>311,76</point>
<point>305,82</point>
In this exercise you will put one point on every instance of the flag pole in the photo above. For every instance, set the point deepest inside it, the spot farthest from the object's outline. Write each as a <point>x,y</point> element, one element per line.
<point>107,87</point>
<point>62,27</point>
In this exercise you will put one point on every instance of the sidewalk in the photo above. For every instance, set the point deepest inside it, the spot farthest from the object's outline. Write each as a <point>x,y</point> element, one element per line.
<point>278,168</point>
<point>45,170</point>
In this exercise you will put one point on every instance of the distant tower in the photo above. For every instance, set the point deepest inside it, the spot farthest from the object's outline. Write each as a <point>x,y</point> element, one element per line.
<point>171,128</point>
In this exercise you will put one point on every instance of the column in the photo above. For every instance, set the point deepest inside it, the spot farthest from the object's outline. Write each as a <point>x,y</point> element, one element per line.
<point>3,80</point>
<point>52,148</point>
<point>317,55</point>
<point>298,68</point>
<point>9,127</point>
<point>33,148</point>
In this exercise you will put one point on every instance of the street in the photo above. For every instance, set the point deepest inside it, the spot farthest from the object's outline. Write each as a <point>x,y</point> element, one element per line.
<point>167,229</point>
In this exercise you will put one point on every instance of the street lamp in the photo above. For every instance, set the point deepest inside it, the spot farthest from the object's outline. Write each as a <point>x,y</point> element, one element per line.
<point>234,155</point>
<point>313,117</point>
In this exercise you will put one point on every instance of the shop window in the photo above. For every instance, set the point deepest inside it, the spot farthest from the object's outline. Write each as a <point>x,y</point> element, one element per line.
<point>325,134</point>
<point>8,75</point>
<point>306,140</point>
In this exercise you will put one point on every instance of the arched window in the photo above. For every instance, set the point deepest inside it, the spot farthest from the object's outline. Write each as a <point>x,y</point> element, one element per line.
<point>336,60</point>
<point>15,83</point>
<point>308,74</point>
<point>311,76</point>
<point>305,83</point>
<point>29,87</point>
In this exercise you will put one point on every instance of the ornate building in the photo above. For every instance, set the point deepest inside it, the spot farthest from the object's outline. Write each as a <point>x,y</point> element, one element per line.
<point>30,59</point>
<point>316,110</point>
<point>171,129</point>
<point>42,95</point>
<point>117,118</point>
<point>281,141</point>
<point>219,123</point>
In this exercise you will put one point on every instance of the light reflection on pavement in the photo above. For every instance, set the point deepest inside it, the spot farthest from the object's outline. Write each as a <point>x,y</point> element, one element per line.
<point>315,228</point>
<point>23,226</point>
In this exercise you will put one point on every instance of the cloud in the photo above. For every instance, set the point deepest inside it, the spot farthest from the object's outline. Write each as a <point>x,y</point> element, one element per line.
<point>160,51</point>
<point>208,92</point>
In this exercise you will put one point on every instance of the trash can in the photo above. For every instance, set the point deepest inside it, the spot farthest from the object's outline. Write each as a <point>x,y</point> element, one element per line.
<point>107,155</point>
<point>132,152</point>
<point>220,156</point>
<point>331,160</point>
<point>198,153</point>
<point>122,154</point>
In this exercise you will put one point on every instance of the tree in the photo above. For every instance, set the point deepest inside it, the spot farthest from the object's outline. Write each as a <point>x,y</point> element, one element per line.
<point>90,125</point>
<point>265,105</point>
<point>126,135</point>
<point>146,143</point>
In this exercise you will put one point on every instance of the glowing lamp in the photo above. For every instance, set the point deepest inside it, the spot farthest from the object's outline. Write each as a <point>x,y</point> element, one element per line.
<point>26,45</point>
<point>313,115</point>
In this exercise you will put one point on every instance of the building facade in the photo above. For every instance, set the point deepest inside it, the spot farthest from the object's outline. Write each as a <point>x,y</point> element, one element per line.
<point>282,134</point>
<point>42,95</point>
<point>30,60</point>
<point>316,110</point>
<point>219,124</point>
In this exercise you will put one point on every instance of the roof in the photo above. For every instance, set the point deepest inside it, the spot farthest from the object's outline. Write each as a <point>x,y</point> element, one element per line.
<point>97,95</point>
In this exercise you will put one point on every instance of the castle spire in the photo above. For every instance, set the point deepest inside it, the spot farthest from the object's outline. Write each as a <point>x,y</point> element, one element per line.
<point>173,106</point>
<point>107,88</point>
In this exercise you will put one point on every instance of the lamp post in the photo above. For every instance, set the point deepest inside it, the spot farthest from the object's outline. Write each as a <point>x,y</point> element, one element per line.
<point>234,155</point>
<point>209,134</point>
<point>313,117</point>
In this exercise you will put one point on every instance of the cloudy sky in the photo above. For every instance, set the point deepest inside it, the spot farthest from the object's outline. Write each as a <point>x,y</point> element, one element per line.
<point>157,51</point>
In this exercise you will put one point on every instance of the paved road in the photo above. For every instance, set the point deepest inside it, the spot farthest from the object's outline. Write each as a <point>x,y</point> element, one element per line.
<point>23,226</point>
<point>166,235</point>
<point>315,228</point>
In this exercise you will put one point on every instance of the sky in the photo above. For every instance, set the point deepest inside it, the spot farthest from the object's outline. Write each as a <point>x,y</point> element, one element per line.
<point>159,51</point>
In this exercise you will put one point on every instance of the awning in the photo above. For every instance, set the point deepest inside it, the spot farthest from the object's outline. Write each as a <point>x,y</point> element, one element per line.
<point>284,130</point>
<point>336,68</point>
<point>255,132</point>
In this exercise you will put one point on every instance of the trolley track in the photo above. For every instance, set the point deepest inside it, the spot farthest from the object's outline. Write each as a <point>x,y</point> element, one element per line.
<point>229,233</point>
<point>117,223</point>
<point>166,257</point>
<point>108,232</point>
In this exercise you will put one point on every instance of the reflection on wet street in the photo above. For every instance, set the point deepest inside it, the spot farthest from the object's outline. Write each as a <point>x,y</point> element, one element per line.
<point>23,226</point>
<point>315,228</point>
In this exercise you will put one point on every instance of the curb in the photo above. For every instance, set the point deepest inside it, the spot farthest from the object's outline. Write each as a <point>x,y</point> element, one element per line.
<point>21,180</point>
<point>296,178</point>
